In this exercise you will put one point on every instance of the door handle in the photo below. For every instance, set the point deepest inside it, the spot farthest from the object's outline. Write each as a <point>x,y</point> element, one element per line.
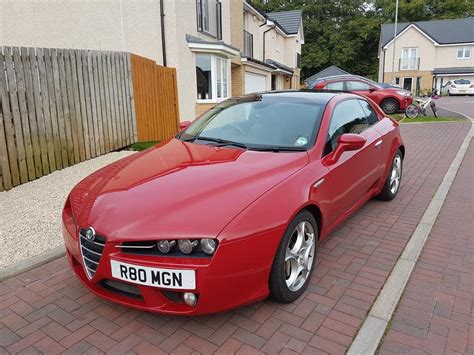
<point>378,144</point>
<point>318,183</point>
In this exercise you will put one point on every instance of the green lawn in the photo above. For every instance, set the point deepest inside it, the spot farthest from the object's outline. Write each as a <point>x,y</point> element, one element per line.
<point>142,145</point>
<point>430,119</point>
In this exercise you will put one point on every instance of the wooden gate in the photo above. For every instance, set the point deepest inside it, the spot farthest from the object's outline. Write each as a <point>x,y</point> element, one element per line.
<point>61,107</point>
<point>156,99</point>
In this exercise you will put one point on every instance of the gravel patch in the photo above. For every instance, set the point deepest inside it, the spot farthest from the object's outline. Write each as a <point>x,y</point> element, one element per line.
<point>30,214</point>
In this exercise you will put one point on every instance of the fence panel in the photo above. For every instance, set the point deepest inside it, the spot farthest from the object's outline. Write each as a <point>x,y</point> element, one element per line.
<point>58,107</point>
<point>156,99</point>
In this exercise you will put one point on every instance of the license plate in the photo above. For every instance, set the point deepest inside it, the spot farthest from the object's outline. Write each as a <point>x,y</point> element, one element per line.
<point>462,90</point>
<point>155,277</point>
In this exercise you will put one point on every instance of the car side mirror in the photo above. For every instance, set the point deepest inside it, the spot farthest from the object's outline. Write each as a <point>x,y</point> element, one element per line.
<point>346,142</point>
<point>371,90</point>
<point>183,125</point>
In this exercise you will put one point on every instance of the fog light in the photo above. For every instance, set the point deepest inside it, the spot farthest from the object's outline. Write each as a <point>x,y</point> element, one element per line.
<point>165,246</point>
<point>190,299</point>
<point>186,246</point>
<point>208,246</point>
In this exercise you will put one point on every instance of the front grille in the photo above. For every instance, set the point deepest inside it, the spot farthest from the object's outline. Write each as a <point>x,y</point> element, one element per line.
<point>91,252</point>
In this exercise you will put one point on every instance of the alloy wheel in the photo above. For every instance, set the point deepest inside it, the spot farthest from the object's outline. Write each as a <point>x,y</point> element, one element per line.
<point>299,256</point>
<point>395,174</point>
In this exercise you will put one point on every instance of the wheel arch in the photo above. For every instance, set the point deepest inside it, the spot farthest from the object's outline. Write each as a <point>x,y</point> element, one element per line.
<point>316,212</point>
<point>402,150</point>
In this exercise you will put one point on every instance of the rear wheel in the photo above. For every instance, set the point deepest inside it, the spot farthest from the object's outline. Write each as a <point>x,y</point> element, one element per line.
<point>390,106</point>
<point>392,184</point>
<point>294,260</point>
<point>434,109</point>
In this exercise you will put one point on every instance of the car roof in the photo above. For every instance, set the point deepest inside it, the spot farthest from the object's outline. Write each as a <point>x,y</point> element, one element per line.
<point>319,97</point>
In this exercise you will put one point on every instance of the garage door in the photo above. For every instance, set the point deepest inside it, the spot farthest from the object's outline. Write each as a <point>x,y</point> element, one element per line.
<point>254,82</point>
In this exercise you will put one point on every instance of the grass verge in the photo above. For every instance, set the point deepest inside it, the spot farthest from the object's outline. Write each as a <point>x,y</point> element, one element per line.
<point>430,119</point>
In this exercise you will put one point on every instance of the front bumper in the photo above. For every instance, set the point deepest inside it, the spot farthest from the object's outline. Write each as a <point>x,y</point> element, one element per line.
<point>231,278</point>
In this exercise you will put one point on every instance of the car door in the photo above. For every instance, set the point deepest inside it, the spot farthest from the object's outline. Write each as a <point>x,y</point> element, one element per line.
<point>360,87</point>
<point>355,174</point>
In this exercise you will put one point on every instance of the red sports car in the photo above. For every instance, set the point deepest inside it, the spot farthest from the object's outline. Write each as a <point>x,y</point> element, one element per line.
<point>232,209</point>
<point>390,99</point>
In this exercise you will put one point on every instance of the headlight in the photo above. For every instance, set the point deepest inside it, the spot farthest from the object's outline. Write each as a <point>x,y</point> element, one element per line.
<point>404,93</point>
<point>165,246</point>
<point>186,246</point>
<point>208,246</point>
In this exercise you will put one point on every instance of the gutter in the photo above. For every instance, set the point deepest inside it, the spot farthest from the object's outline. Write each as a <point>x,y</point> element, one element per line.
<point>163,39</point>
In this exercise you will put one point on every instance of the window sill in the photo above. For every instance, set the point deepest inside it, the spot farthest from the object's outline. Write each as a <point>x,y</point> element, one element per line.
<point>464,58</point>
<point>207,34</point>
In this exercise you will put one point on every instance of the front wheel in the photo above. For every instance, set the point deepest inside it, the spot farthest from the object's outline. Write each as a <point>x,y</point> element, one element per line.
<point>412,111</point>
<point>392,183</point>
<point>390,106</point>
<point>294,259</point>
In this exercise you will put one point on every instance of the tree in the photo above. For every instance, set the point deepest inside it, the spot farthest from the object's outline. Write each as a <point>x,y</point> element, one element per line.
<point>346,33</point>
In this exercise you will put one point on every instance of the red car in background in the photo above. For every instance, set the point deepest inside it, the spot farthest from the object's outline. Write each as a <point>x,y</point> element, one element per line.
<point>390,99</point>
<point>233,208</point>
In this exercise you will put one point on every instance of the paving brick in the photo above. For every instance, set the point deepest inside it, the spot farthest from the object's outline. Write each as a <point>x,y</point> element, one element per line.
<point>7,337</point>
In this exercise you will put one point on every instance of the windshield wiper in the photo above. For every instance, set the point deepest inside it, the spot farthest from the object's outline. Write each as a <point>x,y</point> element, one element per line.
<point>278,149</point>
<point>221,142</point>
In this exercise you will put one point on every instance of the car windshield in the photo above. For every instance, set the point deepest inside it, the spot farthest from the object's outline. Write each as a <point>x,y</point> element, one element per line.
<point>462,82</point>
<point>259,122</point>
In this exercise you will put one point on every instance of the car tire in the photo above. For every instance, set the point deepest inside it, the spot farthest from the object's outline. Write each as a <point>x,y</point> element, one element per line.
<point>286,282</point>
<point>389,190</point>
<point>390,106</point>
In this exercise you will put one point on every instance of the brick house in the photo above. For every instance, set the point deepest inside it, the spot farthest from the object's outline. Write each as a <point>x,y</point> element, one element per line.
<point>219,48</point>
<point>427,53</point>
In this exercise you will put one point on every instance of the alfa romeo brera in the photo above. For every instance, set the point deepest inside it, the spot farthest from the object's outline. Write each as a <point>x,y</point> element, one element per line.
<point>233,208</point>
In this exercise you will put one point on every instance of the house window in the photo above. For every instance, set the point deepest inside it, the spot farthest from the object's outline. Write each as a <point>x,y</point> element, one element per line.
<point>219,19</point>
<point>409,60</point>
<point>464,53</point>
<point>202,15</point>
<point>298,60</point>
<point>212,78</point>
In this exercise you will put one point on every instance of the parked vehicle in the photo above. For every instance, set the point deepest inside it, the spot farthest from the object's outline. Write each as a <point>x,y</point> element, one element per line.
<point>458,87</point>
<point>420,105</point>
<point>390,99</point>
<point>232,209</point>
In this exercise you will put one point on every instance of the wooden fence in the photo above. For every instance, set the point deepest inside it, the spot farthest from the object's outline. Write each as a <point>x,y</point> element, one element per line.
<point>156,99</point>
<point>59,107</point>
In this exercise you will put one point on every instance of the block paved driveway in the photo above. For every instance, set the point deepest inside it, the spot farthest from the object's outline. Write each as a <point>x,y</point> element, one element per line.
<point>47,310</point>
<point>435,314</point>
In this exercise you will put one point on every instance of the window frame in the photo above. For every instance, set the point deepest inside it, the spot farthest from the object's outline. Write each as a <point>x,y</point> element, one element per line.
<point>327,139</point>
<point>200,17</point>
<point>409,50</point>
<point>225,74</point>
<point>463,49</point>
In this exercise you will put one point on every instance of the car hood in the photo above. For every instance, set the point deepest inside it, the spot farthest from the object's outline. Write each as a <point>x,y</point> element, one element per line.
<point>177,190</point>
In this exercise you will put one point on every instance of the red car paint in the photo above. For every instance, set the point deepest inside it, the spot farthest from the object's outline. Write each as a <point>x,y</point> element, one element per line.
<point>243,198</point>
<point>374,91</point>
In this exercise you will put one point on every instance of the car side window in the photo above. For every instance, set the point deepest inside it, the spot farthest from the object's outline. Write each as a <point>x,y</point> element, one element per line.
<point>347,117</point>
<point>338,85</point>
<point>370,113</point>
<point>354,85</point>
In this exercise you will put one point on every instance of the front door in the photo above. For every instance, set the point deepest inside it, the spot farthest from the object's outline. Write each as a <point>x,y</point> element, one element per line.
<point>355,173</point>
<point>407,83</point>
